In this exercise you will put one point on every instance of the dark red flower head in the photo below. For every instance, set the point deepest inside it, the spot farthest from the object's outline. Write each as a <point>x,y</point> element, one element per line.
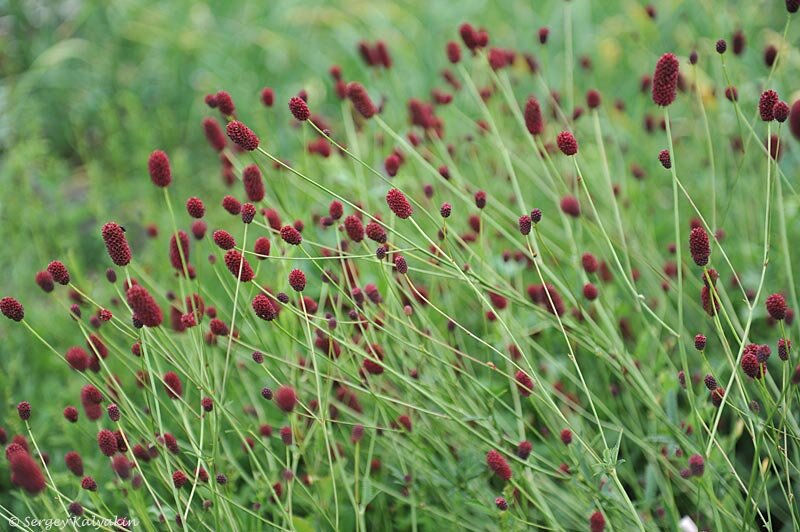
<point>12,309</point>
<point>597,523</point>
<point>24,410</point>
<point>96,346</point>
<point>223,101</point>
<point>299,108</point>
<point>91,395</point>
<point>708,300</point>
<point>195,207</point>
<point>372,293</point>
<point>71,414</point>
<point>739,42</point>
<point>242,135</point>
<point>501,503</point>
<point>261,247</point>
<point>699,246</point>
<point>354,228</point>
<point>45,281</point>
<point>368,53</point>
<point>291,235</point>
<point>59,272</point>
<point>590,291</point>
<point>361,100</point>
<point>207,403</point>
<point>781,111</point>
<point>116,244</point>
<point>177,257</point>
<point>285,398</point>
<point>264,308</point>
<point>751,366</point>
<point>25,472</point>
<point>248,213</point>
<point>89,484</point>
<point>286,435</point>
<point>766,105</point>
<point>498,465</point>
<point>74,463</point>
<point>700,342</point>
<point>770,54</point>
<point>478,38</point>
<point>19,445</point>
<point>544,32</point>
<point>391,164</point>
<point>107,441</point>
<point>121,466</point>
<point>480,199</point>
<point>721,46</point>
<point>145,309</point>
<point>218,327</point>
<point>232,205</point>
<point>224,239</point>
<point>173,384</point>
<point>376,232</point>
<point>567,143</point>
<point>267,96</point>
<point>784,346</point>
<point>400,265</point>
<point>533,116</point>
<point>589,263</point>
<point>214,134</point>
<point>335,209</point>
<point>253,183</point>
<point>664,159</point>
<point>235,261</point>
<point>179,479</point>
<point>763,352</point>
<point>776,306</point>
<point>593,99</point>
<point>382,54</point>
<point>665,80</point>
<point>170,442</point>
<point>453,52</point>
<point>199,229</point>
<point>77,358</point>
<point>570,206</point>
<point>524,449</point>
<point>524,383</point>
<point>525,224</point>
<point>75,508</point>
<point>297,280</point>
<point>696,465</point>
<point>158,166</point>
<point>399,204</point>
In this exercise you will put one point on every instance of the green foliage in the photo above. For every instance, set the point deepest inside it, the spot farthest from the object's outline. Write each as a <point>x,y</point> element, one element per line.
<point>89,90</point>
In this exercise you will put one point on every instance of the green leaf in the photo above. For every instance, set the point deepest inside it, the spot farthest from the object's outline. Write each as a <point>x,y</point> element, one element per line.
<point>301,525</point>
